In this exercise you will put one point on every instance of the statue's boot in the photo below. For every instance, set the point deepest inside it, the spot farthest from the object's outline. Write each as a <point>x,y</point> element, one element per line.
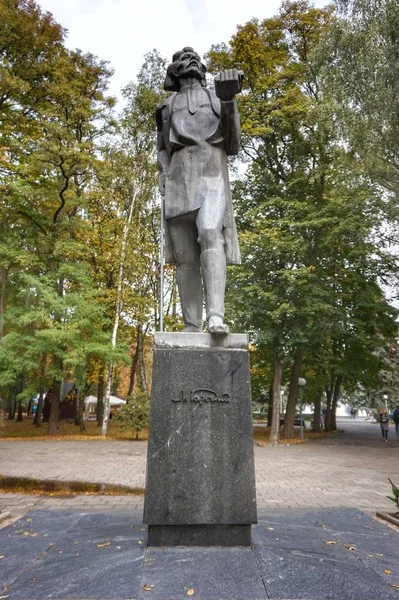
<point>190,291</point>
<point>213,264</point>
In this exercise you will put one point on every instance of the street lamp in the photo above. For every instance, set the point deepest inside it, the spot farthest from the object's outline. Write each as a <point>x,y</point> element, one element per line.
<point>301,383</point>
<point>385,397</point>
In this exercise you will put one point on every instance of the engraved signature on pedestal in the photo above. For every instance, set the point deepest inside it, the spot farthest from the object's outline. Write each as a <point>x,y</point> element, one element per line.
<point>202,396</point>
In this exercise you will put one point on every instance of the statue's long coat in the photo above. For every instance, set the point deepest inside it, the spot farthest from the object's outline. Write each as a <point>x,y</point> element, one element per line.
<point>197,134</point>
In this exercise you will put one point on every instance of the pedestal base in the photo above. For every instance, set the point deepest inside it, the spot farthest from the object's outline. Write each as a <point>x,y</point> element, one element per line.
<point>199,535</point>
<point>200,487</point>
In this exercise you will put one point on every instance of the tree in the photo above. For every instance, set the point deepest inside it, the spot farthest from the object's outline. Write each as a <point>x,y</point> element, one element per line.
<point>307,216</point>
<point>54,109</point>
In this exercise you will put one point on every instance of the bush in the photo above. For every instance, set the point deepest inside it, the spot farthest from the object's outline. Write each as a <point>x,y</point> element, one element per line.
<point>395,497</point>
<point>135,413</point>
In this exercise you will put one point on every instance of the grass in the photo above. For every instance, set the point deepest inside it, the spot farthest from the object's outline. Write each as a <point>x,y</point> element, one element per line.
<point>36,487</point>
<point>261,435</point>
<point>11,430</point>
<point>67,431</point>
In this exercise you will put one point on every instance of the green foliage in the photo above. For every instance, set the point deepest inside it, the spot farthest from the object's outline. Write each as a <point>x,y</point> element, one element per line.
<point>135,413</point>
<point>310,222</point>
<point>395,497</point>
<point>70,170</point>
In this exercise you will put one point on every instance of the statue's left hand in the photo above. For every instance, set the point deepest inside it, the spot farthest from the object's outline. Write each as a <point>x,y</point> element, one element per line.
<point>228,84</point>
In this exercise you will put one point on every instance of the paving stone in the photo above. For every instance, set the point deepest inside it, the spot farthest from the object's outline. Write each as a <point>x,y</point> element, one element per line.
<point>25,541</point>
<point>300,576</point>
<point>309,541</point>
<point>83,570</point>
<point>213,574</point>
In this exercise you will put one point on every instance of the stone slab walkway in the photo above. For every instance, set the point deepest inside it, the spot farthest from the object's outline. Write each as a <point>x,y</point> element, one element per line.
<point>310,555</point>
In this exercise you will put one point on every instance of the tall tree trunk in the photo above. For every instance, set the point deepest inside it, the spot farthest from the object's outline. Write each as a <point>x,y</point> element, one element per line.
<point>53,422</point>
<point>140,346</point>
<point>100,395</point>
<point>77,415</point>
<point>20,389</point>
<point>118,308</point>
<point>133,368</point>
<point>293,394</point>
<point>275,428</point>
<point>20,417</point>
<point>107,395</point>
<point>81,397</point>
<point>317,412</point>
<point>335,399</point>
<point>38,416</point>
<point>3,275</point>
<point>10,408</point>
<point>270,407</point>
<point>329,394</point>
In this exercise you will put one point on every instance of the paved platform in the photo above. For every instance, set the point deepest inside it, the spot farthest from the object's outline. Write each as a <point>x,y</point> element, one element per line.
<point>68,555</point>
<point>348,470</point>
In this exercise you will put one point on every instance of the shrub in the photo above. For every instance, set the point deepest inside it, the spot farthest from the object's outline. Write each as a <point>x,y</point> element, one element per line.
<point>135,413</point>
<point>395,497</point>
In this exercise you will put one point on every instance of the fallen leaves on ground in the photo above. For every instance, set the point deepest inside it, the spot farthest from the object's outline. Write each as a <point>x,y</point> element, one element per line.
<point>331,543</point>
<point>387,572</point>
<point>394,585</point>
<point>148,587</point>
<point>103,545</point>
<point>353,548</point>
<point>190,592</point>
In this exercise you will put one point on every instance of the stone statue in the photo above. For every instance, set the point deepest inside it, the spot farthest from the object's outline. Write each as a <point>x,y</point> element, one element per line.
<point>197,129</point>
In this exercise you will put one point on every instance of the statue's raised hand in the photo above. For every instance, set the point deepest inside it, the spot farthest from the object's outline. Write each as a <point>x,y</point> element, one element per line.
<point>228,84</point>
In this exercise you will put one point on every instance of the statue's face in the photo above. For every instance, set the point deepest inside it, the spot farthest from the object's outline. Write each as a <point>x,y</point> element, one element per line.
<point>189,65</point>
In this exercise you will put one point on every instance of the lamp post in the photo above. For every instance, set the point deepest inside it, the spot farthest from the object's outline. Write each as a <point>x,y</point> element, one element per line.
<point>385,398</point>
<point>301,383</point>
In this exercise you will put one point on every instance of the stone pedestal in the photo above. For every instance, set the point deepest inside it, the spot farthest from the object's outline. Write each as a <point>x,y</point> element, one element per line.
<point>200,487</point>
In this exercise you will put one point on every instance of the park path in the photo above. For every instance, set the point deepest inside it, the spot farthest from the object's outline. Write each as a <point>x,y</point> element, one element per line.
<point>350,469</point>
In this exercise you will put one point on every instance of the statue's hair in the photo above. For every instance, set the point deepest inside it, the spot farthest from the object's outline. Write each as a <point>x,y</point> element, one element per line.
<point>172,80</point>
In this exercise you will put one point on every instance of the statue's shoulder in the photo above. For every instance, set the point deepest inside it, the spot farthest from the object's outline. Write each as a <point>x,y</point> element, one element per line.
<point>161,113</point>
<point>166,102</point>
<point>215,101</point>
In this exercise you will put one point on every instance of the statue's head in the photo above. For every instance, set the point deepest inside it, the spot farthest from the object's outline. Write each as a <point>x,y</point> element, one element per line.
<point>185,63</point>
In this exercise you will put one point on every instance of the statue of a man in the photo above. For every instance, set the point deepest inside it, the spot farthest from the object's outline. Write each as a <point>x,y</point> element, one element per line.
<point>197,129</point>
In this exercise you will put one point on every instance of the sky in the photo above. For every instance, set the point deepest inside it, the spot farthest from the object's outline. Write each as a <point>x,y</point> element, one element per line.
<point>122,31</point>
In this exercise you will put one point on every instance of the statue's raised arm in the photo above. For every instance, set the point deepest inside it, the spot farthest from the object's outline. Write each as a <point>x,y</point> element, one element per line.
<point>227,85</point>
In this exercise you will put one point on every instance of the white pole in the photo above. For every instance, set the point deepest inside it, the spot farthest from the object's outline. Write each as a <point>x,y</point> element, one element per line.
<point>300,413</point>
<point>161,283</point>
<point>301,383</point>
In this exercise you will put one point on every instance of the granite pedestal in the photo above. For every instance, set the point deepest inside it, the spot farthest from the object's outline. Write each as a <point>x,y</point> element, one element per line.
<point>200,488</point>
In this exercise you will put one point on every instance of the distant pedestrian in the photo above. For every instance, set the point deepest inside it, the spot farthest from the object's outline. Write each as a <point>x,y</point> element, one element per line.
<point>352,412</point>
<point>384,423</point>
<point>324,417</point>
<point>395,416</point>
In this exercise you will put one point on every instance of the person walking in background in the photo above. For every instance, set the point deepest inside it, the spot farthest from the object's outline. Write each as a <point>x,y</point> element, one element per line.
<point>384,423</point>
<point>395,416</point>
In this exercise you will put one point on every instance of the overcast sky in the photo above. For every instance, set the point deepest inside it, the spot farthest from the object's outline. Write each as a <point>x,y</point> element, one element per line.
<point>122,31</point>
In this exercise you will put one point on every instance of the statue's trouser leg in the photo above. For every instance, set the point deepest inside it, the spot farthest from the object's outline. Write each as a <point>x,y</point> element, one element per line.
<point>190,291</point>
<point>213,259</point>
<point>213,264</point>
<point>183,234</point>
